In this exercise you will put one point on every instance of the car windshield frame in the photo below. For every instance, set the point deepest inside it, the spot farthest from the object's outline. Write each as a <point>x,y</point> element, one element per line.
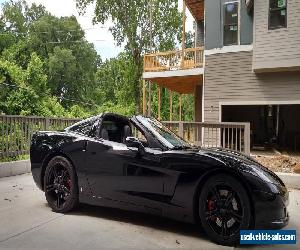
<point>165,136</point>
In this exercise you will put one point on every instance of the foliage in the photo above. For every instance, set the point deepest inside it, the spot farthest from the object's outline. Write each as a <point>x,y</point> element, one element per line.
<point>46,65</point>
<point>47,68</point>
<point>15,158</point>
<point>140,30</point>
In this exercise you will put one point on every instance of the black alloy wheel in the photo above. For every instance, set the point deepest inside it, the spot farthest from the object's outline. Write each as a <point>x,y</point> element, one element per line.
<point>60,185</point>
<point>224,209</point>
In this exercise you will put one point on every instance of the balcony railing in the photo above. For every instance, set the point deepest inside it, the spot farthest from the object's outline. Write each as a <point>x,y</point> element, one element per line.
<point>174,60</point>
<point>16,133</point>
<point>229,135</point>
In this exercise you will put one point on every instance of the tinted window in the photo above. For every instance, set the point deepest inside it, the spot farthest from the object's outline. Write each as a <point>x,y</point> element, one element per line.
<point>277,14</point>
<point>162,133</point>
<point>87,128</point>
<point>231,23</point>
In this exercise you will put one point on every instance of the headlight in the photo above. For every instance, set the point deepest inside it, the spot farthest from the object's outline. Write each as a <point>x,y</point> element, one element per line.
<point>257,171</point>
<point>262,174</point>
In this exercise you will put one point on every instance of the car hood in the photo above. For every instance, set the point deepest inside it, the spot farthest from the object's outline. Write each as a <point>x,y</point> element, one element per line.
<point>227,156</point>
<point>241,161</point>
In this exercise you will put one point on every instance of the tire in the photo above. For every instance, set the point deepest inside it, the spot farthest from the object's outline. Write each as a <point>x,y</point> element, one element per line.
<point>224,209</point>
<point>60,185</point>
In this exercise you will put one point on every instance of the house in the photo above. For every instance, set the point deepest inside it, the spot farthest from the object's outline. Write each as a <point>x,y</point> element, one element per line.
<point>246,67</point>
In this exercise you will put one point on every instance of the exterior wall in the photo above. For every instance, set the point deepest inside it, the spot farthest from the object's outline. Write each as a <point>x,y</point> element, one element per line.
<point>229,78</point>
<point>277,49</point>
<point>200,34</point>
<point>214,24</point>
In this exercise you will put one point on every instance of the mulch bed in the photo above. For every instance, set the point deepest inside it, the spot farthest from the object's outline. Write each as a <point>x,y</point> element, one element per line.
<point>281,163</point>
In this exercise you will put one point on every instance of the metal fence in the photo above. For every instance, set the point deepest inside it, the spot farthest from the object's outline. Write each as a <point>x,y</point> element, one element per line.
<point>16,133</point>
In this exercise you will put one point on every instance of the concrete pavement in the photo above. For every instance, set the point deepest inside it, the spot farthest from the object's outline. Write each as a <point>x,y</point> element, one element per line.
<point>26,222</point>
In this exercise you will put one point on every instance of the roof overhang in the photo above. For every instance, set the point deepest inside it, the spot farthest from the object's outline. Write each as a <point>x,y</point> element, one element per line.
<point>196,7</point>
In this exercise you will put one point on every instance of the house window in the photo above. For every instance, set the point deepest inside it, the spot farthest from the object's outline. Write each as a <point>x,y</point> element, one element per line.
<point>231,23</point>
<point>277,14</point>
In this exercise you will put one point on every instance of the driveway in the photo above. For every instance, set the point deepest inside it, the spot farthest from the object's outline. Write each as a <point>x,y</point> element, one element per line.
<point>26,222</point>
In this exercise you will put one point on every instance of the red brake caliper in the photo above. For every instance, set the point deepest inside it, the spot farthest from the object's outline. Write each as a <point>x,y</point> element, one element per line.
<point>68,184</point>
<point>210,205</point>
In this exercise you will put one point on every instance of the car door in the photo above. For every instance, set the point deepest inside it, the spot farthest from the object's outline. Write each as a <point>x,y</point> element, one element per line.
<point>117,173</point>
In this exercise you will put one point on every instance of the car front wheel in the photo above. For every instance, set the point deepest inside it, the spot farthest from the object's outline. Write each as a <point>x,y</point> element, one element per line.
<point>224,209</point>
<point>60,185</point>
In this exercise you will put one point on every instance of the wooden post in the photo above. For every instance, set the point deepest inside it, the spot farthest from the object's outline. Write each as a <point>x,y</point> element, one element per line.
<point>144,98</point>
<point>247,139</point>
<point>183,32</point>
<point>171,105</point>
<point>149,99</point>
<point>180,129</point>
<point>159,103</point>
<point>47,123</point>
<point>180,107</point>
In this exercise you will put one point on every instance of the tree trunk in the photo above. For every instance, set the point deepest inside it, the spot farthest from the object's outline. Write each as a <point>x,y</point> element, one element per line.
<point>137,81</point>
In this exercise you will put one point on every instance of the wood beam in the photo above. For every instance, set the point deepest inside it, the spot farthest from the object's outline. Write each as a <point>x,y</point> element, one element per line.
<point>171,105</point>
<point>149,99</point>
<point>183,32</point>
<point>144,98</point>
<point>180,107</point>
<point>159,102</point>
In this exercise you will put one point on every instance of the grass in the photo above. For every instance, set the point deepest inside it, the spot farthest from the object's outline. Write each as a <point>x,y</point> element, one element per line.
<point>14,158</point>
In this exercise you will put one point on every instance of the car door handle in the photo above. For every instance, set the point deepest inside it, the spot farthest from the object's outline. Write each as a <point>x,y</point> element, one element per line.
<point>93,153</point>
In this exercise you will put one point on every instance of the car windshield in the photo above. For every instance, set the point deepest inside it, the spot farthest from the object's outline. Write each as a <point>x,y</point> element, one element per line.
<point>164,135</point>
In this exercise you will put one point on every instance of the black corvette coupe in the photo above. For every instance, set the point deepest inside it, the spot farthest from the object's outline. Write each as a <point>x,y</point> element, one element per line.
<point>138,164</point>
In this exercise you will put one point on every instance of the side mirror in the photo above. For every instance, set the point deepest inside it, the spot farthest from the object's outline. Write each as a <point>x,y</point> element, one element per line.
<point>134,142</point>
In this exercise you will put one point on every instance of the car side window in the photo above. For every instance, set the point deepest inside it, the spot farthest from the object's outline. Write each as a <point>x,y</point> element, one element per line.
<point>88,128</point>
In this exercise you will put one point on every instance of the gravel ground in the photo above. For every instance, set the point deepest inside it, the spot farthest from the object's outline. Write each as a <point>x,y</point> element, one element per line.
<point>280,163</point>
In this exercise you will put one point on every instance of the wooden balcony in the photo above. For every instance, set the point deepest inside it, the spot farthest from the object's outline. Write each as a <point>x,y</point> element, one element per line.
<point>174,60</point>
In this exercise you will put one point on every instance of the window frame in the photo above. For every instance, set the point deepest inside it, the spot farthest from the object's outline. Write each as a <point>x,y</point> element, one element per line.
<point>277,9</point>
<point>224,3</point>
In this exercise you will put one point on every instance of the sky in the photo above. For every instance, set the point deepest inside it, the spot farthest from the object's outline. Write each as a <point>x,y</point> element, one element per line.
<point>97,34</point>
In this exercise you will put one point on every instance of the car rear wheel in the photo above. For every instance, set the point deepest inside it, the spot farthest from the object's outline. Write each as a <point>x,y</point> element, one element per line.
<point>224,209</point>
<point>60,185</point>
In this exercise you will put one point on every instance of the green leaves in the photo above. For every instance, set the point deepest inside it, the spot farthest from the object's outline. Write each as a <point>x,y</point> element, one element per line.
<point>45,60</point>
<point>142,25</point>
<point>49,69</point>
<point>115,86</point>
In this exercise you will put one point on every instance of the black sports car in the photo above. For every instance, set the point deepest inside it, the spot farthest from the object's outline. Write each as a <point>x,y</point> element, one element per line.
<point>138,164</point>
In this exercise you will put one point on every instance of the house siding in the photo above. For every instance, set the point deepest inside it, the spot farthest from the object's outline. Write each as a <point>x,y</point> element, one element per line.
<point>229,77</point>
<point>280,48</point>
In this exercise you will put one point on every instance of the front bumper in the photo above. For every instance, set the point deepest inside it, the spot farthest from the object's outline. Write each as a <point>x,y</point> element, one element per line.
<point>271,209</point>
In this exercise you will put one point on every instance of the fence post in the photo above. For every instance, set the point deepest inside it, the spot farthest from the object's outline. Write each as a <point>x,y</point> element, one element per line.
<point>47,123</point>
<point>180,129</point>
<point>247,139</point>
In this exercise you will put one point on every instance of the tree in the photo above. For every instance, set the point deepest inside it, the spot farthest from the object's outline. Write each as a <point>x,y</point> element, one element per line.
<point>72,61</point>
<point>49,32</point>
<point>36,77</point>
<point>134,27</point>
<point>17,16</point>
<point>62,68</point>
<point>16,97</point>
<point>115,90</point>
